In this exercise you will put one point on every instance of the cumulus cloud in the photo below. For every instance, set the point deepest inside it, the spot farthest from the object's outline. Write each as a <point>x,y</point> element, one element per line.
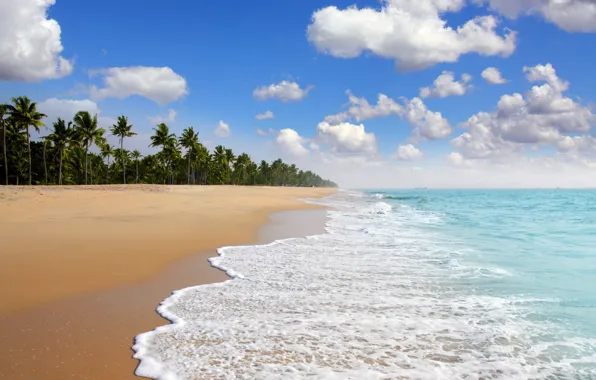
<point>290,142</point>
<point>347,139</point>
<point>570,15</point>
<point>412,33</point>
<point>360,110</point>
<point>160,84</point>
<point>222,130</point>
<point>577,147</point>
<point>265,116</point>
<point>493,76</point>
<point>546,73</point>
<point>170,118</point>
<point>445,85</point>
<point>408,153</point>
<point>427,124</point>
<point>269,132</point>
<point>30,44</point>
<point>66,108</point>
<point>284,91</point>
<point>544,116</point>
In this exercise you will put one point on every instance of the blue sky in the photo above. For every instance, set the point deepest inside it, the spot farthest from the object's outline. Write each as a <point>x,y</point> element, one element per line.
<point>222,52</point>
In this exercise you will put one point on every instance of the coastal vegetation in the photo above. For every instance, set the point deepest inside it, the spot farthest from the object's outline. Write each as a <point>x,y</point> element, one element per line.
<point>65,155</point>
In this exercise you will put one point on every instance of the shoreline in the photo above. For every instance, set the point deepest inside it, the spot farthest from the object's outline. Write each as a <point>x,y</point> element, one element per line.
<point>282,225</point>
<point>89,335</point>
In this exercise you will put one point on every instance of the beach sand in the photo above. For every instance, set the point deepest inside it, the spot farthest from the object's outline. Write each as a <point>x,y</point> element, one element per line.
<point>82,269</point>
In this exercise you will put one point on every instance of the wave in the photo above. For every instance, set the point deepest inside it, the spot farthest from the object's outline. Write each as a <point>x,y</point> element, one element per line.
<point>378,296</point>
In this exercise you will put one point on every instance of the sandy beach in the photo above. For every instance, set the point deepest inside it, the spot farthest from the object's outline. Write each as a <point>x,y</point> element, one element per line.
<point>82,269</point>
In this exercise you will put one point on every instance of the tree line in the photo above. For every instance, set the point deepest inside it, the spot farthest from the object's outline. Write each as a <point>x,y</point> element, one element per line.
<point>63,157</point>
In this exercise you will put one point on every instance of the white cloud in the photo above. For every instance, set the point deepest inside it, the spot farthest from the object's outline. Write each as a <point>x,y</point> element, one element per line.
<point>427,124</point>
<point>546,73</point>
<point>265,116</point>
<point>269,132</point>
<point>361,110</point>
<point>456,159</point>
<point>570,15</point>
<point>289,141</point>
<point>30,44</point>
<point>578,146</point>
<point>66,108</point>
<point>160,84</point>
<point>542,117</point>
<point>284,91</point>
<point>445,85</point>
<point>347,139</point>
<point>171,118</point>
<point>222,130</point>
<point>493,76</point>
<point>410,32</point>
<point>408,153</point>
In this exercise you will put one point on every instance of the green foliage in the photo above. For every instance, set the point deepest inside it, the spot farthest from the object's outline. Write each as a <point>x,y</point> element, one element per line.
<point>66,158</point>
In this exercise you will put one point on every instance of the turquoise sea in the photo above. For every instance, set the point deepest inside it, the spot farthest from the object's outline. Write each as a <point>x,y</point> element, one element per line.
<point>418,284</point>
<point>542,241</point>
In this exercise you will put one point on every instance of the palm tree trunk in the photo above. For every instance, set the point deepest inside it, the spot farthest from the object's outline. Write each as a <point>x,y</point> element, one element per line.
<point>5,156</point>
<point>108,171</point>
<point>86,152</point>
<point>123,164</point>
<point>137,171</point>
<point>60,168</point>
<point>45,166</point>
<point>29,149</point>
<point>188,171</point>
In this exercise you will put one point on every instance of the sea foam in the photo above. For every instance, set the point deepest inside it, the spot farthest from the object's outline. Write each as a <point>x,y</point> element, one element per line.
<point>382,295</point>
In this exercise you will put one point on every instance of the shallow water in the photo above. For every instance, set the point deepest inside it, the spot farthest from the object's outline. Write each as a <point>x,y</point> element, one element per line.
<point>405,285</point>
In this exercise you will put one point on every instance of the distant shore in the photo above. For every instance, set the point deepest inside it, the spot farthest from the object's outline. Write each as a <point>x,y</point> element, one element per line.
<point>82,268</point>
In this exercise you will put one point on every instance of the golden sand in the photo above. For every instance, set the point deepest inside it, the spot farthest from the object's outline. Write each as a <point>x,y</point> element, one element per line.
<point>81,269</point>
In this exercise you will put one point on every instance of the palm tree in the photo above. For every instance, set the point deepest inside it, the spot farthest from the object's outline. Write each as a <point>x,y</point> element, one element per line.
<point>122,129</point>
<point>61,136</point>
<point>16,139</point>
<point>136,155</point>
<point>25,113</point>
<point>242,163</point>
<point>3,113</point>
<point>264,170</point>
<point>276,171</point>
<point>188,140</point>
<point>220,159</point>
<point>230,157</point>
<point>88,133</point>
<point>167,141</point>
<point>201,159</point>
<point>162,136</point>
<point>106,152</point>
<point>122,155</point>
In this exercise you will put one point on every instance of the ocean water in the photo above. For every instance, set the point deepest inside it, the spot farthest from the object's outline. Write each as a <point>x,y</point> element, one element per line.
<point>404,285</point>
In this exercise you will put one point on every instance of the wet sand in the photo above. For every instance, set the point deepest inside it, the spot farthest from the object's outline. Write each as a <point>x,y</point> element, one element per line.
<point>86,332</point>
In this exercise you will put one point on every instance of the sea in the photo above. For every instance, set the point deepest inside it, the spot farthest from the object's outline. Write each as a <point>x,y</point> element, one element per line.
<point>405,284</point>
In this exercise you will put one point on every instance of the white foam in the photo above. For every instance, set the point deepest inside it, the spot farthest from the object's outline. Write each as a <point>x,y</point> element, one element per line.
<point>375,298</point>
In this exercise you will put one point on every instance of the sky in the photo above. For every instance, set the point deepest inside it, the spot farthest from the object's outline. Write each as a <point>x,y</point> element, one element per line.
<point>371,94</point>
